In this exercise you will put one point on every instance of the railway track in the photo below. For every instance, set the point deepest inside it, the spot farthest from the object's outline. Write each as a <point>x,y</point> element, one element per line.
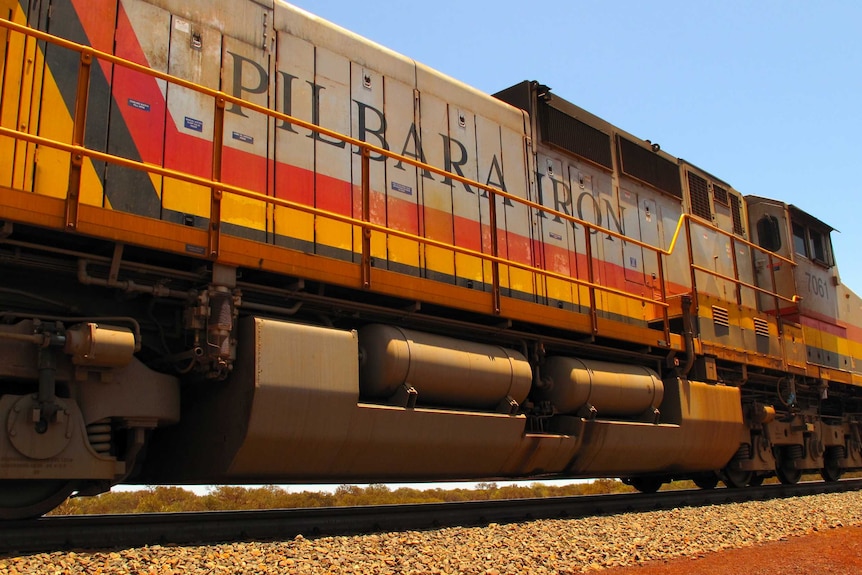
<point>60,533</point>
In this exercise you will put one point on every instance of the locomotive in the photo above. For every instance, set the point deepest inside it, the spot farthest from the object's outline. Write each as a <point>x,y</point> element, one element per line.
<point>240,244</point>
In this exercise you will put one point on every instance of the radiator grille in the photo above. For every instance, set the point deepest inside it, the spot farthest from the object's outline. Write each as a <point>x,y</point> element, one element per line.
<point>720,195</point>
<point>649,167</point>
<point>736,213</point>
<point>698,192</point>
<point>720,316</point>
<point>568,133</point>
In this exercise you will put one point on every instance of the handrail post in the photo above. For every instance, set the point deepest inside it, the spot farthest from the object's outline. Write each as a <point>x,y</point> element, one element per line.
<point>774,286</point>
<point>216,194</point>
<point>736,272</point>
<point>663,291</point>
<point>366,217</point>
<point>495,266</point>
<point>588,248</point>
<point>73,196</point>
<point>691,263</point>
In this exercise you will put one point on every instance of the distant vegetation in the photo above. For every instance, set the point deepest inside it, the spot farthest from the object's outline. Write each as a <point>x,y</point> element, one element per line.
<point>226,498</point>
<point>233,498</point>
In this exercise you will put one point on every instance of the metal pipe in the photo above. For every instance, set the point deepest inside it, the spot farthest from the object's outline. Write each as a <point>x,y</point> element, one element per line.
<point>46,364</point>
<point>35,297</point>
<point>128,285</point>
<point>272,308</point>
<point>136,327</point>
<point>36,339</point>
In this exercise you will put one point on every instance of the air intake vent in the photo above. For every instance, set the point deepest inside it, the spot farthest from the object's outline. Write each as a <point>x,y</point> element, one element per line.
<point>761,327</point>
<point>649,167</point>
<point>570,134</point>
<point>698,193</point>
<point>720,195</point>
<point>736,213</point>
<point>720,316</point>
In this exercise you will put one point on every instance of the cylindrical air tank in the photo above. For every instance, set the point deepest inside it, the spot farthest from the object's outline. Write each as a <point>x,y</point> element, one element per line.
<point>613,389</point>
<point>443,370</point>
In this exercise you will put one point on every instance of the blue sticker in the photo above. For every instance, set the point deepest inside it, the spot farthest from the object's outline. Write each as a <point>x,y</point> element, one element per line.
<point>402,188</point>
<point>633,262</point>
<point>193,124</point>
<point>243,138</point>
<point>555,236</point>
<point>139,105</point>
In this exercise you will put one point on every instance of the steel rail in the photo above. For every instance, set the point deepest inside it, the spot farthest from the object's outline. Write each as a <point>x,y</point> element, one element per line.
<point>59,533</point>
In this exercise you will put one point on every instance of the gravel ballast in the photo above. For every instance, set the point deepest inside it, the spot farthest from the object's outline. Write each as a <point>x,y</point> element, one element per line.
<point>549,546</point>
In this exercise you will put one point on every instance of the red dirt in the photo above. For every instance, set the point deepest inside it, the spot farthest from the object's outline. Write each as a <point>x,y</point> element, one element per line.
<point>834,552</point>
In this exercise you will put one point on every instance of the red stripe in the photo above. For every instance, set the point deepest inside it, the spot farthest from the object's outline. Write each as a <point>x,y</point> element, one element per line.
<point>294,184</point>
<point>467,234</point>
<point>518,248</point>
<point>486,239</point>
<point>333,195</point>
<point>186,153</point>
<point>401,214</point>
<point>243,169</point>
<point>824,326</point>
<point>145,126</point>
<point>439,225</point>
<point>97,17</point>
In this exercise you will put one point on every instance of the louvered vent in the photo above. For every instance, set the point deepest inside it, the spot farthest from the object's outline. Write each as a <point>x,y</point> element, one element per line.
<point>698,192</point>
<point>736,213</point>
<point>649,167</point>
<point>568,133</point>
<point>720,195</point>
<point>761,327</point>
<point>720,316</point>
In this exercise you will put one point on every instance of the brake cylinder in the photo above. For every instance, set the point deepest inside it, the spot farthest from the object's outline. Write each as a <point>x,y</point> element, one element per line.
<point>91,344</point>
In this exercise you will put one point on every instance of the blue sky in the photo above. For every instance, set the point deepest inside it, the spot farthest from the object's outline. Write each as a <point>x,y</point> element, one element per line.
<point>763,94</point>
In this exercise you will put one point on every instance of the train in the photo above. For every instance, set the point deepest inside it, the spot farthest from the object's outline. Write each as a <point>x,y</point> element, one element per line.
<point>240,244</point>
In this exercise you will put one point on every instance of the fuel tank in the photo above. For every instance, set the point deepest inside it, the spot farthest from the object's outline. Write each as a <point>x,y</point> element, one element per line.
<point>444,371</point>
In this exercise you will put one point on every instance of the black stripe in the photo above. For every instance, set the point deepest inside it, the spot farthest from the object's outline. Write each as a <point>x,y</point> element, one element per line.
<point>64,65</point>
<point>128,190</point>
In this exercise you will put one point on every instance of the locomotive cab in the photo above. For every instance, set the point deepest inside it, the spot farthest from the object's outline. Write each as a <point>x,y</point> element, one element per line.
<point>790,232</point>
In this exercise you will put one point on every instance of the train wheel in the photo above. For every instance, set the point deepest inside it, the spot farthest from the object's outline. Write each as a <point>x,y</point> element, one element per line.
<point>737,478</point>
<point>787,474</point>
<point>756,480</point>
<point>706,481</point>
<point>646,484</point>
<point>24,499</point>
<point>831,470</point>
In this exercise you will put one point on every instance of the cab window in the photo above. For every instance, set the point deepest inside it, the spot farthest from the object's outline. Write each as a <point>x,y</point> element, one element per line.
<point>768,233</point>
<point>812,242</point>
<point>799,243</point>
<point>818,246</point>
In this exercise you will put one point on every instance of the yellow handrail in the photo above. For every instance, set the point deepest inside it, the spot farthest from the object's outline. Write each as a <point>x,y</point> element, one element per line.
<point>221,99</point>
<point>250,194</point>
